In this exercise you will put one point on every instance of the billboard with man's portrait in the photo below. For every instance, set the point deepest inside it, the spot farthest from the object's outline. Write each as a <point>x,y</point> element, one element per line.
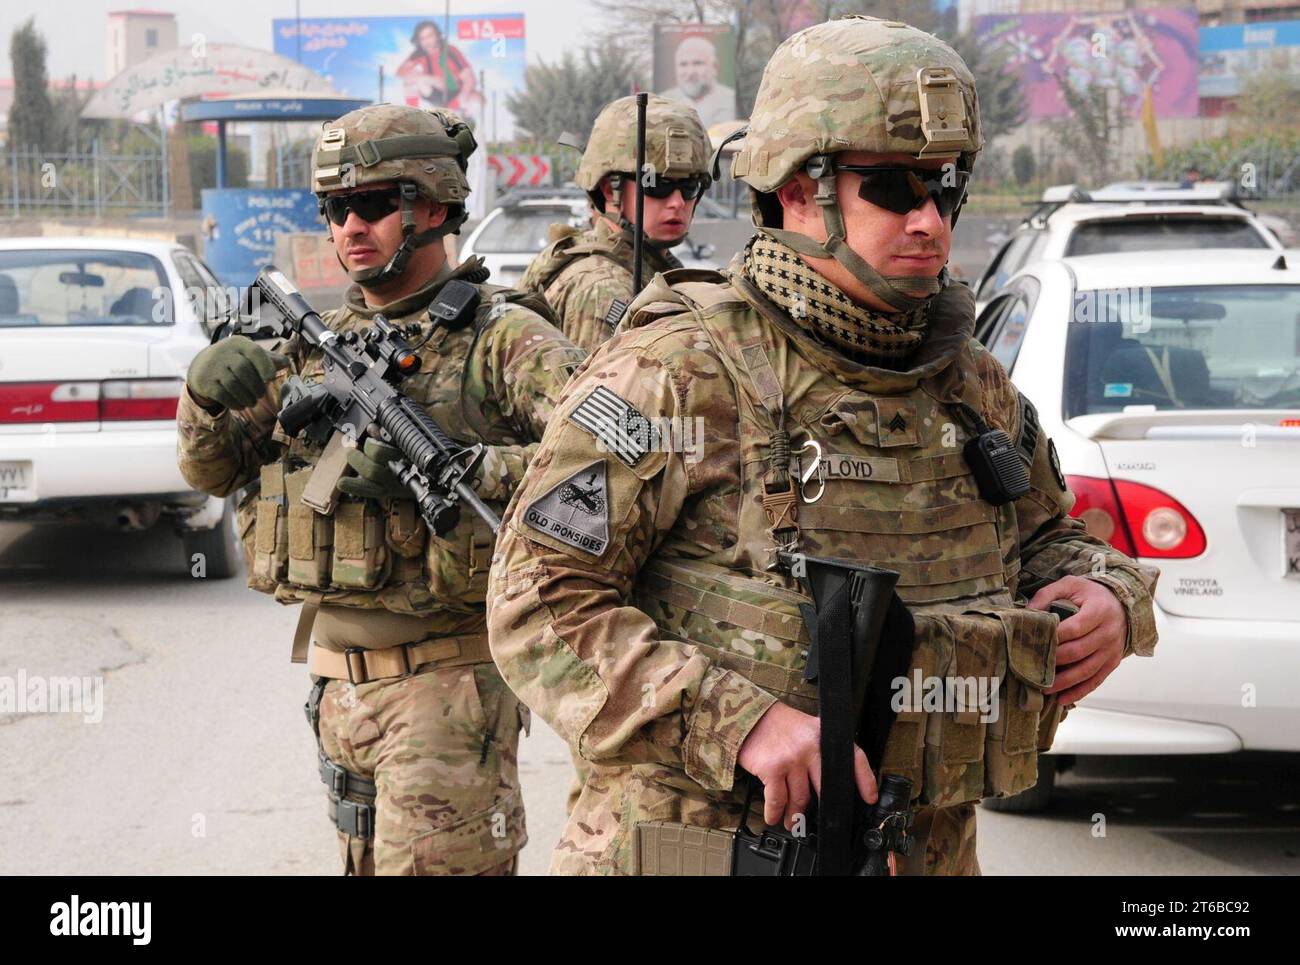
<point>427,61</point>
<point>696,63</point>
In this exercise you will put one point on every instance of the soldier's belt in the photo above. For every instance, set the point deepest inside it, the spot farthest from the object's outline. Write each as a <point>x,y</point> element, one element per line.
<point>358,666</point>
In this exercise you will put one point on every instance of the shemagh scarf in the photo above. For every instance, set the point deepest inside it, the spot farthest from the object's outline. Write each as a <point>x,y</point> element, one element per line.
<point>814,304</point>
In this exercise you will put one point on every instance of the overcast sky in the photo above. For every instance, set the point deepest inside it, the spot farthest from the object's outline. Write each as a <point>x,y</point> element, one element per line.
<point>75,30</point>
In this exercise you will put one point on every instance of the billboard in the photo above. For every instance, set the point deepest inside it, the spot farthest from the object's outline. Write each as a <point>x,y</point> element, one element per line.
<point>426,61</point>
<point>1229,52</point>
<point>1125,52</point>
<point>696,63</point>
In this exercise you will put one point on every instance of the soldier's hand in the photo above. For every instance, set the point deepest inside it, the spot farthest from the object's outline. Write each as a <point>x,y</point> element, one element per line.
<point>374,480</point>
<point>1090,644</point>
<point>784,752</point>
<point>233,373</point>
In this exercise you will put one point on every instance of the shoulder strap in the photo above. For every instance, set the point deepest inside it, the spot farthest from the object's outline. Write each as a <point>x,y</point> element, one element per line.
<point>494,294</point>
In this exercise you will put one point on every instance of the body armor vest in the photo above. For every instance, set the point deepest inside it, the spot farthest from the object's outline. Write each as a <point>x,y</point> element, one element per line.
<point>378,553</point>
<point>878,466</point>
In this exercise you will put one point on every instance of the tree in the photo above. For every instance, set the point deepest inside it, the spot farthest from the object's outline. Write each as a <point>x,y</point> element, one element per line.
<point>1091,133</point>
<point>1022,164</point>
<point>1003,107</point>
<point>31,116</point>
<point>568,94</point>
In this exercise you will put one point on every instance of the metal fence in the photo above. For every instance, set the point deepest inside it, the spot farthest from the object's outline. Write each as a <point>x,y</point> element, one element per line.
<point>90,183</point>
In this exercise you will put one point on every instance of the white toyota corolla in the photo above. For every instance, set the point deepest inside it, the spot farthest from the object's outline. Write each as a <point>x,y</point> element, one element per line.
<point>95,339</point>
<point>1170,382</point>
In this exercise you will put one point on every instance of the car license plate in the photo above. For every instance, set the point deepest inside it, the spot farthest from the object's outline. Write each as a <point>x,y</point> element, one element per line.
<point>1291,523</point>
<point>15,478</point>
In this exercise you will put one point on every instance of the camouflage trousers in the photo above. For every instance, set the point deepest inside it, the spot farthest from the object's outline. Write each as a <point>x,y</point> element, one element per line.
<point>441,747</point>
<point>600,836</point>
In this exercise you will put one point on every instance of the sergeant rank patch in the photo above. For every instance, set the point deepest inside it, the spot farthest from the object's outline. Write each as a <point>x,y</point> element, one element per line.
<point>617,425</point>
<point>576,511</point>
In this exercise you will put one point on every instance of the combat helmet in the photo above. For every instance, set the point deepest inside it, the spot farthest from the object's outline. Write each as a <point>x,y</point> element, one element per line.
<point>425,152</point>
<point>676,146</point>
<point>855,84</point>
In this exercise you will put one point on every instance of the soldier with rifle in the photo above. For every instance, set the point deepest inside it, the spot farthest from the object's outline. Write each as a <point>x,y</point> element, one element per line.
<point>375,446</point>
<point>874,502</point>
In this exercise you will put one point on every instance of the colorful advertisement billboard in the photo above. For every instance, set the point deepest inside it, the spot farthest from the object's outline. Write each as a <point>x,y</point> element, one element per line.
<point>1124,52</point>
<point>424,61</point>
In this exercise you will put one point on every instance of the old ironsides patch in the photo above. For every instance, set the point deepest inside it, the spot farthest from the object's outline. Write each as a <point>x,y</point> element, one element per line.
<point>616,424</point>
<point>576,511</point>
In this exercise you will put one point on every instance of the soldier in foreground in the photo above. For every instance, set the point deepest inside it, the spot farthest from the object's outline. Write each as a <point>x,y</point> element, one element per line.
<point>586,276</point>
<point>417,732</point>
<point>643,603</point>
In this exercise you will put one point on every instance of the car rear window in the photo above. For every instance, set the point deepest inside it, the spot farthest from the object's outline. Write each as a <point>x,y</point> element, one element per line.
<point>519,230</point>
<point>41,288</point>
<point>1162,234</point>
<point>1223,347</point>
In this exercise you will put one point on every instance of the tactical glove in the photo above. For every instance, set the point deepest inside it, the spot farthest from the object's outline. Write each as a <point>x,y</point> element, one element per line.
<point>232,373</point>
<point>373,479</point>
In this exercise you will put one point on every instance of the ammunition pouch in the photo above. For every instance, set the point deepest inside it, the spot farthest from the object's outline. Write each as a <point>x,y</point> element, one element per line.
<point>953,750</point>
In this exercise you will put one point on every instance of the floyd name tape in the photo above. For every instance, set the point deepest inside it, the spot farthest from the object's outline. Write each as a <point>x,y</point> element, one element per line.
<point>576,511</point>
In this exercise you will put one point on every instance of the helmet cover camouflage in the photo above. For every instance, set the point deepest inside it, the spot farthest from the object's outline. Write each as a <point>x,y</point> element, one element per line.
<point>858,84</point>
<point>676,144</point>
<point>391,142</point>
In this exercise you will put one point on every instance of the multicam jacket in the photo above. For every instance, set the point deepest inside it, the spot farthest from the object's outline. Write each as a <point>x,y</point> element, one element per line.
<point>631,603</point>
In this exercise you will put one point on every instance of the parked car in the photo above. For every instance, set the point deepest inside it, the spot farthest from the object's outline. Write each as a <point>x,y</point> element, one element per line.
<point>518,228</point>
<point>1129,216</point>
<point>1171,387</point>
<point>95,339</point>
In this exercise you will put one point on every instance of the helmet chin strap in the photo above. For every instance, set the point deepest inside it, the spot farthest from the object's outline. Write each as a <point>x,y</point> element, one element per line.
<point>901,292</point>
<point>614,212</point>
<point>411,239</point>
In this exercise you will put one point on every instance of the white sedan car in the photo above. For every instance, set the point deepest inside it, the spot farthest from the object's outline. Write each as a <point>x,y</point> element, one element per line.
<point>1170,382</point>
<point>95,339</point>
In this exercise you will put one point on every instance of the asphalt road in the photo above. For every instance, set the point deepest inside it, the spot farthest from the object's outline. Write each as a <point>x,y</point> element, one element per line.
<point>202,761</point>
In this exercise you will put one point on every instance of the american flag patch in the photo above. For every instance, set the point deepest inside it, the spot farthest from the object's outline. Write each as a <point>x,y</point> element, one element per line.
<point>615,314</point>
<point>616,424</point>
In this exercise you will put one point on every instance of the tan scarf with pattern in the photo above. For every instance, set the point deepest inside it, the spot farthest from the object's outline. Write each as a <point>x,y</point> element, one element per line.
<point>814,304</point>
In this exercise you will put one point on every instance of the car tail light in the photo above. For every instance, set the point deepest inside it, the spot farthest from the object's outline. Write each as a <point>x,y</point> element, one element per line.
<point>1097,505</point>
<point>140,399</point>
<point>1136,519</point>
<point>1161,526</point>
<point>40,402</point>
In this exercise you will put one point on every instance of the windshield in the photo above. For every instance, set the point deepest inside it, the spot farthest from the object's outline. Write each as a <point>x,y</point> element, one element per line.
<point>48,288</point>
<point>520,230</point>
<point>1223,347</point>
<point>1162,234</point>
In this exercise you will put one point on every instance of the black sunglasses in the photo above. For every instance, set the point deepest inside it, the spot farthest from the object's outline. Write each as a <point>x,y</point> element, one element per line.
<point>901,189</point>
<point>370,206</point>
<point>691,188</point>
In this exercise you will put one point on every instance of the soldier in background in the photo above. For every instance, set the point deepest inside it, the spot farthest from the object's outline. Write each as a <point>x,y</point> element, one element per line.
<point>640,602</point>
<point>417,732</point>
<point>586,276</point>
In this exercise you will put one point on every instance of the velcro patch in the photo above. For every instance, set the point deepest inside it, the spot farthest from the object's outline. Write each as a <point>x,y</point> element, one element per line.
<point>615,314</point>
<point>854,468</point>
<point>616,424</point>
<point>576,511</point>
<point>1029,429</point>
<point>895,422</point>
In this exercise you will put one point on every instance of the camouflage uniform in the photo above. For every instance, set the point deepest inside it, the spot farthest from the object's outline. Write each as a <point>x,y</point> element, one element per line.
<point>586,276</point>
<point>439,740</point>
<point>633,603</point>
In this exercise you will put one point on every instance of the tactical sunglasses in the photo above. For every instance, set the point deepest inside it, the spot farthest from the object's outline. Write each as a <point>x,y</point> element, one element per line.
<point>370,206</point>
<point>691,188</point>
<point>901,189</point>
